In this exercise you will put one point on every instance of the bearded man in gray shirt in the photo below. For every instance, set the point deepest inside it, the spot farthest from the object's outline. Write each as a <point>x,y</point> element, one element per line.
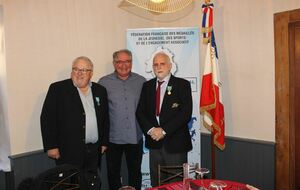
<point>125,137</point>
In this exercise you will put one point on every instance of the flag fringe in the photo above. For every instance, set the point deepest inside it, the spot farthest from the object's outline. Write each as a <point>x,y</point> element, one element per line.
<point>208,107</point>
<point>216,130</point>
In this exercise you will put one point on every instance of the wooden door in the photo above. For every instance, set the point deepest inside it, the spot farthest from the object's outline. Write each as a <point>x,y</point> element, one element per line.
<point>287,99</point>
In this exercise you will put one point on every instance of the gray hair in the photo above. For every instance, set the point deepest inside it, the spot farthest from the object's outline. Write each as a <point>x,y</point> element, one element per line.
<point>161,53</point>
<point>126,51</point>
<point>84,58</point>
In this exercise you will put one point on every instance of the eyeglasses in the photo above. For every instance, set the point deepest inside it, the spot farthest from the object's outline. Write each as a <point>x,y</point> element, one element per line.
<point>123,62</point>
<point>77,70</point>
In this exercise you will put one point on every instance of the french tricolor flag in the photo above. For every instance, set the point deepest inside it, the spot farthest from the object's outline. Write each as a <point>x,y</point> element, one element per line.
<point>211,105</point>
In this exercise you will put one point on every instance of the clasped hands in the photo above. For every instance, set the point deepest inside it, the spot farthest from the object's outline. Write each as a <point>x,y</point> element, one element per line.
<point>157,133</point>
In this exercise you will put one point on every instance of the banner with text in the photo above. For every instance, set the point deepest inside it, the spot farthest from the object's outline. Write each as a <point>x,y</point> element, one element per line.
<point>182,46</point>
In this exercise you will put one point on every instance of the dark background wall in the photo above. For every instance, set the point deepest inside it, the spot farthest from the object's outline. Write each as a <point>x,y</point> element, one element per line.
<point>243,160</point>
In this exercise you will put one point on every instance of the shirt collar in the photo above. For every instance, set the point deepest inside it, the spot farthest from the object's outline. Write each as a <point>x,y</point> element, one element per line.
<point>166,79</point>
<point>90,84</point>
<point>117,77</point>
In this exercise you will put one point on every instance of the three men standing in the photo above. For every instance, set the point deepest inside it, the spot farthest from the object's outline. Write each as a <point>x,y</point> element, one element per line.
<point>77,113</point>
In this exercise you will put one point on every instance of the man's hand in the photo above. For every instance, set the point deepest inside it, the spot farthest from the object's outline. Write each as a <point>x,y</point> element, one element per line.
<point>157,133</point>
<point>250,187</point>
<point>53,153</point>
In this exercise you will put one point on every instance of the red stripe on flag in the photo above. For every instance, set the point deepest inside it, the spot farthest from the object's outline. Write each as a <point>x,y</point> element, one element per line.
<point>208,98</point>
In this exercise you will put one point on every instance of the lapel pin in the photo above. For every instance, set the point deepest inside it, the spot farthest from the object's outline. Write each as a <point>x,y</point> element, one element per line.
<point>97,100</point>
<point>169,88</point>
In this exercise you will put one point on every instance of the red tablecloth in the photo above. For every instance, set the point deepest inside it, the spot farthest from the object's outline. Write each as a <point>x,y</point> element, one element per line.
<point>195,184</point>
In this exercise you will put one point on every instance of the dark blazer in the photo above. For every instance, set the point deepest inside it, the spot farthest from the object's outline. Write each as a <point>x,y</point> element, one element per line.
<point>176,111</point>
<point>63,120</point>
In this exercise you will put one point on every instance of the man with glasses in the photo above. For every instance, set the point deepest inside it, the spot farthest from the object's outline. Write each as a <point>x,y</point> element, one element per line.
<point>164,110</point>
<point>74,121</point>
<point>125,137</point>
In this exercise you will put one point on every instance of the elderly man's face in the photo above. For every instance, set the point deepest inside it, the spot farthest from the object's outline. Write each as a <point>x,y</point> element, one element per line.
<point>82,73</point>
<point>161,66</point>
<point>123,65</point>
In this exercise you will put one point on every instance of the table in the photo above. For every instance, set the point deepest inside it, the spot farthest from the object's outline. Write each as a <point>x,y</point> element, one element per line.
<point>195,184</point>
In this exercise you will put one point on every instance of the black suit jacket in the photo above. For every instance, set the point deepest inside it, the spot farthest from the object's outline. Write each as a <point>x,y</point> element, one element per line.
<point>63,120</point>
<point>176,111</point>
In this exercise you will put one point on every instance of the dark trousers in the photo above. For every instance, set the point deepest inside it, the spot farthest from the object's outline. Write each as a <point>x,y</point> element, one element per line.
<point>133,154</point>
<point>89,167</point>
<point>164,158</point>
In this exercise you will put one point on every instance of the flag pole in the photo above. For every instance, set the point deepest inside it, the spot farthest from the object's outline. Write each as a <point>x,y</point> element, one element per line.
<point>212,150</point>
<point>211,106</point>
<point>213,156</point>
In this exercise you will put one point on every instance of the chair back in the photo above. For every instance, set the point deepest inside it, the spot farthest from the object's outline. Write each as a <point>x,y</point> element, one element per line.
<point>62,177</point>
<point>167,174</point>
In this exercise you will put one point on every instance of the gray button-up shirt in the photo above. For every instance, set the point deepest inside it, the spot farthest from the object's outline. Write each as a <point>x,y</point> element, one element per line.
<point>123,98</point>
<point>91,127</point>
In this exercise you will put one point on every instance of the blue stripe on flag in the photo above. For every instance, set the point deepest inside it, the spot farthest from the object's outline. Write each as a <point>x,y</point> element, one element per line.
<point>213,43</point>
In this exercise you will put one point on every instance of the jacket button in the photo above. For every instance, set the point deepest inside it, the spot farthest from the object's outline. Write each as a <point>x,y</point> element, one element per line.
<point>83,126</point>
<point>83,113</point>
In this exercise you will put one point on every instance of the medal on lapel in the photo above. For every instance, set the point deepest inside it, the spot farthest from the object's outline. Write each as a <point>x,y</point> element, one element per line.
<point>97,100</point>
<point>169,88</point>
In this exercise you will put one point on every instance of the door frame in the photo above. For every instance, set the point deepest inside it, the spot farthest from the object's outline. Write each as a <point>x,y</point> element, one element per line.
<point>284,126</point>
